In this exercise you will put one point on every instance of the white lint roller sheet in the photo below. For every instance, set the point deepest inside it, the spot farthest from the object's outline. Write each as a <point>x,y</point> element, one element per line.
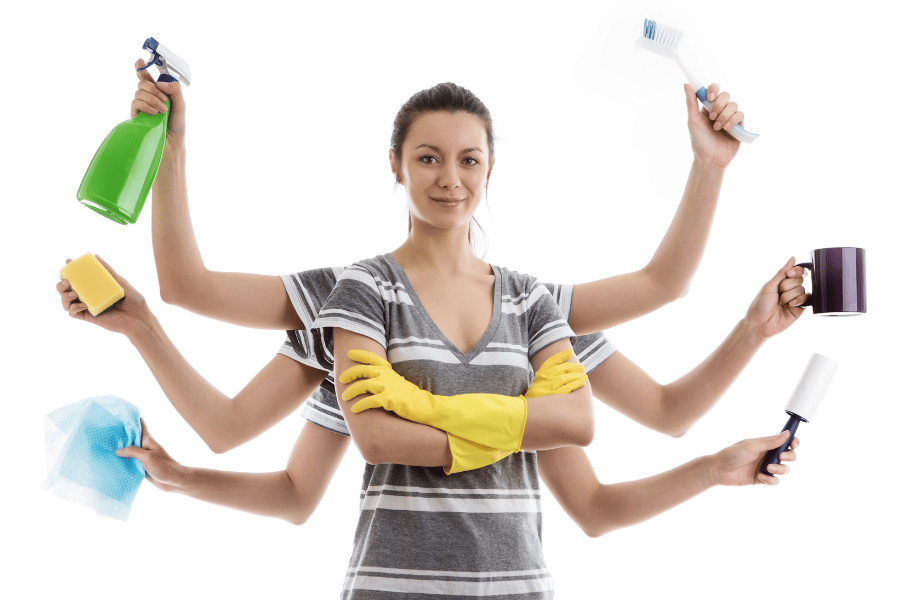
<point>811,389</point>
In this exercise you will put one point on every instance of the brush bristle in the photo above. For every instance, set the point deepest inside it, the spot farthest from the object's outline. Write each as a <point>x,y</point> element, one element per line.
<point>662,34</point>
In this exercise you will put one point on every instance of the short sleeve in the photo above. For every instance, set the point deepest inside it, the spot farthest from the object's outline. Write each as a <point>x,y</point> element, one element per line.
<point>591,349</point>
<point>354,305</point>
<point>562,295</point>
<point>546,324</point>
<point>308,291</point>
<point>322,409</point>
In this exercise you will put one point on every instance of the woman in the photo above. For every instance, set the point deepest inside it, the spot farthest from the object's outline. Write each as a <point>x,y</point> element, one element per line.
<point>292,301</point>
<point>445,231</point>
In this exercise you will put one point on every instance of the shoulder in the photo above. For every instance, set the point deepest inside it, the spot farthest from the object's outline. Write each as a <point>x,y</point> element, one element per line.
<point>377,270</point>
<point>518,281</point>
<point>314,280</point>
<point>520,286</point>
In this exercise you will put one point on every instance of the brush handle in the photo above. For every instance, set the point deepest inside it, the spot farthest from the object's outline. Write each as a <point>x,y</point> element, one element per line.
<point>772,456</point>
<point>737,132</point>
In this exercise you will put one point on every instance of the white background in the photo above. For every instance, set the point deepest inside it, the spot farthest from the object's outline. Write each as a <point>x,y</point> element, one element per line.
<point>290,113</point>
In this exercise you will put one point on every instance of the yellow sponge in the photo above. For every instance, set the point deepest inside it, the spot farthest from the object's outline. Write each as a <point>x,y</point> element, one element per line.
<point>93,283</point>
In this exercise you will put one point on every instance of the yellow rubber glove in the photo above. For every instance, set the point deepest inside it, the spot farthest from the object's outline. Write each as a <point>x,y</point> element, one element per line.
<point>469,455</point>
<point>556,376</point>
<point>490,420</point>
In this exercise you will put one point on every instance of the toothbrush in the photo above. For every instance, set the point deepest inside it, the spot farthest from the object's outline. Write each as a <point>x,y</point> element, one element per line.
<point>665,40</point>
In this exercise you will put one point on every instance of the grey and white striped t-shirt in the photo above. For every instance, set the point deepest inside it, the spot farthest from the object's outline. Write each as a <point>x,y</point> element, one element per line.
<point>421,532</point>
<point>308,291</point>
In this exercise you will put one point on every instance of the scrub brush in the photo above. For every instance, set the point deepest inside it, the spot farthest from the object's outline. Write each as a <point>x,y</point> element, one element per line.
<point>665,40</point>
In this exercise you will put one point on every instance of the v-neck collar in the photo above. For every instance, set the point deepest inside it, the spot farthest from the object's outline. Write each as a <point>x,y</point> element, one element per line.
<point>489,333</point>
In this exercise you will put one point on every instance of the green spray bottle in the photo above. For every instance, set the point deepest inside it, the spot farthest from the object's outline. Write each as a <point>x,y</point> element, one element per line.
<point>123,169</point>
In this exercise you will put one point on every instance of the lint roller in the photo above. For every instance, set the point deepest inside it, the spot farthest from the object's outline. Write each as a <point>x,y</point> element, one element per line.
<point>803,402</point>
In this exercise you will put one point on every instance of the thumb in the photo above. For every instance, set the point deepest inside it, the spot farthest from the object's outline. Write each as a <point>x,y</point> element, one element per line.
<point>140,454</point>
<point>773,441</point>
<point>173,90</point>
<point>691,100</point>
<point>367,358</point>
<point>772,284</point>
<point>556,359</point>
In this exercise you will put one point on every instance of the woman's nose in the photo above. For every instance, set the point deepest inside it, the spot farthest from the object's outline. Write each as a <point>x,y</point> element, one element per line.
<point>449,177</point>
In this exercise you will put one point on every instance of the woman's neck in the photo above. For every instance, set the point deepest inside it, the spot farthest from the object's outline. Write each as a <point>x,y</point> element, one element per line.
<point>445,251</point>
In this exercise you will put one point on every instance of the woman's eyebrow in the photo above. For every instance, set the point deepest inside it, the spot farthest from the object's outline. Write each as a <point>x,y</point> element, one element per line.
<point>436,149</point>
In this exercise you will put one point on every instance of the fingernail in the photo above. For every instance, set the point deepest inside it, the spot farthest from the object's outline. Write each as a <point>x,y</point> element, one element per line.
<point>717,126</point>
<point>713,115</point>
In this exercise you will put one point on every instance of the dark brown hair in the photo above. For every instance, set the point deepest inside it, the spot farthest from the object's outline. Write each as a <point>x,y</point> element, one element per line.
<point>444,97</point>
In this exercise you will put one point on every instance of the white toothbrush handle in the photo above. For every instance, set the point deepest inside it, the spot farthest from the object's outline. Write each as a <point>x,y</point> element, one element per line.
<point>737,132</point>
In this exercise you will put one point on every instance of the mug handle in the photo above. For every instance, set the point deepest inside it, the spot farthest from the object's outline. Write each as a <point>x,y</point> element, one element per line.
<point>805,265</point>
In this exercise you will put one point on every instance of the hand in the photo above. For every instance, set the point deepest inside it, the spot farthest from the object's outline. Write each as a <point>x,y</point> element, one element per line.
<point>161,469</point>
<point>389,390</point>
<point>556,376</point>
<point>122,317</point>
<point>491,420</point>
<point>777,305</point>
<point>739,464</point>
<point>150,98</point>
<point>707,128</point>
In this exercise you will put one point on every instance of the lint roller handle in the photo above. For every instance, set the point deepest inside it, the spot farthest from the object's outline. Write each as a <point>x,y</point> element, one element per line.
<point>737,132</point>
<point>772,456</point>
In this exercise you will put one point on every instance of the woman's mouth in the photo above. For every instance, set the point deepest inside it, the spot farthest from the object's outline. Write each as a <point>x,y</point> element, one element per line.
<point>449,202</point>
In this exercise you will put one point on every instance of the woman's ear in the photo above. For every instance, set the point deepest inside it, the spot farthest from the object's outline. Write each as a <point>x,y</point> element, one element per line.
<point>395,166</point>
<point>490,170</point>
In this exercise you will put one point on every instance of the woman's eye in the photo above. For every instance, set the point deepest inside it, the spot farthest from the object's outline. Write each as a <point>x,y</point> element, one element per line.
<point>470,160</point>
<point>428,159</point>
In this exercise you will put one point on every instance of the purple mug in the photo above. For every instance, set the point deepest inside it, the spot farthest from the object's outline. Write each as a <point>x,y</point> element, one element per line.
<point>838,281</point>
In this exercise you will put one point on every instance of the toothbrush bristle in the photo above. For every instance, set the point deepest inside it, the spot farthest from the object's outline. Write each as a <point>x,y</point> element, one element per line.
<point>662,34</point>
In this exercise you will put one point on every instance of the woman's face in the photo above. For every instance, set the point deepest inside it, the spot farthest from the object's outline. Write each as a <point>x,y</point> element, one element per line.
<point>444,168</point>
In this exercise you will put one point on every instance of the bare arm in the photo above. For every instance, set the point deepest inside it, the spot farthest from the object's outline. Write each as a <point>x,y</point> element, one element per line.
<point>244,299</point>
<point>222,422</point>
<point>382,436</point>
<point>602,304</point>
<point>292,494</point>
<point>607,302</point>
<point>600,509</point>
<point>552,421</point>
<point>559,420</point>
<point>673,408</point>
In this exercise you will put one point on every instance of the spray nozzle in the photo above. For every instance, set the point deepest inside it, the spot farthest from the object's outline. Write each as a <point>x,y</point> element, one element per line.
<point>168,62</point>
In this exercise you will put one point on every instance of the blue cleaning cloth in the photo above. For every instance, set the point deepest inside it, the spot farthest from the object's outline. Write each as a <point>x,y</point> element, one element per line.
<point>81,440</point>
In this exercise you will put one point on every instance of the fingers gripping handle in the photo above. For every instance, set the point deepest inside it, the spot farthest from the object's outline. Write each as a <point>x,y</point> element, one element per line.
<point>737,132</point>
<point>772,456</point>
<point>808,266</point>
